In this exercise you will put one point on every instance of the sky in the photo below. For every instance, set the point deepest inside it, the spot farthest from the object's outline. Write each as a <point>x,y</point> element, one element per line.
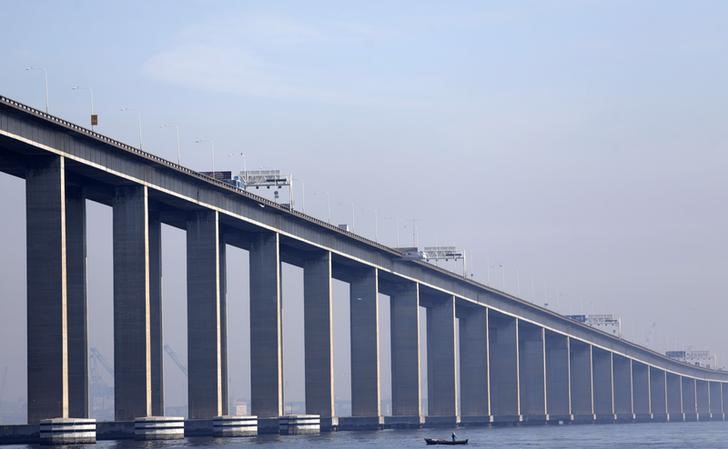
<point>576,150</point>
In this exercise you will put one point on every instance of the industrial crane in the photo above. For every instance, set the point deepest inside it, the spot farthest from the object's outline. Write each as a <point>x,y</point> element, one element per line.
<point>175,358</point>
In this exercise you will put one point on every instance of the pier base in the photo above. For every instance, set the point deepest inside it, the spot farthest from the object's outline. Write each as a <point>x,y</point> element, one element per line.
<point>404,422</point>
<point>441,421</point>
<point>507,419</point>
<point>535,419</point>
<point>159,428</point>
<point>476,420</point>
<point>299,424</point>
<point>361,422</point>
<point>67,431</point>
<point>235,426</point>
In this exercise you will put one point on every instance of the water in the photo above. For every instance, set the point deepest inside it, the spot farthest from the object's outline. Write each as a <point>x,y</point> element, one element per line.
<point>702,435</point>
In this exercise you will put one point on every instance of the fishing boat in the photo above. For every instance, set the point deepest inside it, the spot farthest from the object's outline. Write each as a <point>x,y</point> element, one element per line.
<point>446,442</point>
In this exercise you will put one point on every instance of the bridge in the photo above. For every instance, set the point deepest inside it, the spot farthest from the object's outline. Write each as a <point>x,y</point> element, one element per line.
<point>518,362</point>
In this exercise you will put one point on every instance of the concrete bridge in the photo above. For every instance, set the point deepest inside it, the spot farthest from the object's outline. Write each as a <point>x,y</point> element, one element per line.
<point>518,362</point>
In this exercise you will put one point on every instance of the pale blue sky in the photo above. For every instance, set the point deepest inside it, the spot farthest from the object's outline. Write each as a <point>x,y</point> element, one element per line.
<point>580,144</point>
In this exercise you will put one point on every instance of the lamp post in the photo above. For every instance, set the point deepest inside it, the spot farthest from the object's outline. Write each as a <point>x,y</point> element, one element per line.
<point>139,121</point>
<point>45,79</point>
<point>243,162</point>
<point>179,145</point>
<point>212,150</point>
<point>303,193</point>
<point>94,117</point>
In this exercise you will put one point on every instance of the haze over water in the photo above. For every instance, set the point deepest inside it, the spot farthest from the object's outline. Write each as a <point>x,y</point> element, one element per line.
<point>702,435</point>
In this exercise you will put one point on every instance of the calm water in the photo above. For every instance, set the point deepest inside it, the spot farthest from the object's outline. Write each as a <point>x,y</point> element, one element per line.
<point>705,435</point>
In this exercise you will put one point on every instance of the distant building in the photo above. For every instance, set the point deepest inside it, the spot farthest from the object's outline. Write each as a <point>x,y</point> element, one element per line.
<point>241,409</point>
<point>606,323</point>
<point>705,359</point>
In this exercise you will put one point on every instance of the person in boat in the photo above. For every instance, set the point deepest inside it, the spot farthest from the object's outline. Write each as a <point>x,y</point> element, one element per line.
<point>453,436</point>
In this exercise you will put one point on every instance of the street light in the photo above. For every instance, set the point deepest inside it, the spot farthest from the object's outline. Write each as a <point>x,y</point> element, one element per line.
<point>94,117</point>
<point>179,145</point>
<point>45,78</point>
<point>243,163</point>
<point>139,121</point>
<point>303,193</point>
<point>212,150</point>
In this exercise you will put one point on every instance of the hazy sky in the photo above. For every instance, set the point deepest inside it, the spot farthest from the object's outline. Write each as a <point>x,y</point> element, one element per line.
<point>580,145</point>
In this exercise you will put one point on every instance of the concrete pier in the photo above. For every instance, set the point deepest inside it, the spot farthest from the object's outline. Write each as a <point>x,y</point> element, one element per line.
<point>474,397</point>
<point>222,272</point>
<point>702,395</point>
<point>364,331</point>
<point>558,382</point>
<point>603,385</point>
<point>716,401</point>
<point>405,337</point>
<point>156,346</point>
<point>265,329</point>
<point>582,397</point>
<point>132,339</point>
<point>674,397</point>
<point>658,394</point>
<point>532,372</point>
<point>623,406</point>
<point>46,287</point>
<point>78,397</point>
<point>441,385</point>
<point>690,403</point>
<point>504,392</point>
<point>641,391</point>
<point>204,319</point>
<point>317,317</point>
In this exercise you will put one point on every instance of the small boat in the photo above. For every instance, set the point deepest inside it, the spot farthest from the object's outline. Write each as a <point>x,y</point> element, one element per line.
<point>446,442</point>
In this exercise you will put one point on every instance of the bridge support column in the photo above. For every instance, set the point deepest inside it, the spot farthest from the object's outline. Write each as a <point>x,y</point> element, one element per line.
<point>689,397</point>
<point>724,397</point>
<point>405,335</point>
<point>582,396</point>
<point>48,392</point>
<point>364,328</point>
<point>222,249</point>
<point>317,316</point>
<point>674,398</point>
<point>265,326</point>
<point>77,305</point>
<point>603,385</point>
<point>474,397</point>
<point>658,394</point>
<point>204,317</point>
<point>155,314</point>
<point>623,406</point>
<point>716,402</point>
<point>504,383</point>
<point>532,372</point>
<point>441,386</point>
<point>132,374</point>
<point>702,395</point>
<point>641,391</point>
<point>557,377</point>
